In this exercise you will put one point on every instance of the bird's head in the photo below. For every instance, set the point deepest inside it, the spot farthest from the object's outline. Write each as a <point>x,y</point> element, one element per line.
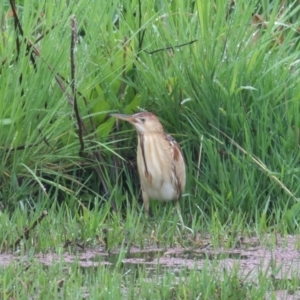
<point>144,122</point>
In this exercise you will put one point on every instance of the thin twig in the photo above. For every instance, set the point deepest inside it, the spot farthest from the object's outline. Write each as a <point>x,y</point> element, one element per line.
<point>140,38</point>
<point>97,155</point>
<point>16,18</point>
<point>140,23</point>
<point>46,32</point>
<point>123,84</point>
<point>259,163</point>
<point>121,97</point>
<point>73,83</point>
<point>44,139</point>
<point>26,231</point>
<point>17,25</point>
<point>199,161</point>
<point>22,147</point>
<point>172,47</point>
<point>141,32</point>
<point>19,29</point>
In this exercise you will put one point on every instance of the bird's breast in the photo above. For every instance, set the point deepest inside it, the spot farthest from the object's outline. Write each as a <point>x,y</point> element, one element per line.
<point>155,167</point>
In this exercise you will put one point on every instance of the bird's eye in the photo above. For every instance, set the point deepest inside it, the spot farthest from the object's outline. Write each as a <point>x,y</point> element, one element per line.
<point>143,120</point>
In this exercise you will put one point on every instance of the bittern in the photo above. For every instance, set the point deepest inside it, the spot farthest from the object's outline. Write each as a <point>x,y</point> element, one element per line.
<point>160,161</point>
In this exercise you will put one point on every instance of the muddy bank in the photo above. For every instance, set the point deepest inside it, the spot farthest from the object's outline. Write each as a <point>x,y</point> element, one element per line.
<point>250,256</point>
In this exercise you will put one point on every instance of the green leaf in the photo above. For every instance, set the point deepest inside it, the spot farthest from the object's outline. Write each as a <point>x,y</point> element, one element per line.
<point>104,129</point>
<point>133,105</point>
<point>100,108</point>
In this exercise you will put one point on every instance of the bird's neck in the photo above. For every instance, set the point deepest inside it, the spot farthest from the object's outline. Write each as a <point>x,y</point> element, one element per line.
<point>141,149</point>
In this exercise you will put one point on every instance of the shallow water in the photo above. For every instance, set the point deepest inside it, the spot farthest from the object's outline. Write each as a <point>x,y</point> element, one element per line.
<point>250,254</point>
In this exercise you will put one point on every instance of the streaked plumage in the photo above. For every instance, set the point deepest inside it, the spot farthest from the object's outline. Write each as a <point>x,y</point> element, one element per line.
<point>159,158</point>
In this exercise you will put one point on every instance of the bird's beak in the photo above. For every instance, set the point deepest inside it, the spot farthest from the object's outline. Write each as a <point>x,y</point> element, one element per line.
<point>128,118</point>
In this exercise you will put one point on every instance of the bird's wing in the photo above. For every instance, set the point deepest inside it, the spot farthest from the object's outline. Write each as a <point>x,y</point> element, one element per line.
<point>178,164</point>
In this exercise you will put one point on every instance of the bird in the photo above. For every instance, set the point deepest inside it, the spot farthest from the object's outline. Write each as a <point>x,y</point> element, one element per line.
<point>160,162</point>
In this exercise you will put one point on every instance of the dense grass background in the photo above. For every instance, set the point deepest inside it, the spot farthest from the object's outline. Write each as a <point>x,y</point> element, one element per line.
<point>230,96</point>
<point>237,78</point>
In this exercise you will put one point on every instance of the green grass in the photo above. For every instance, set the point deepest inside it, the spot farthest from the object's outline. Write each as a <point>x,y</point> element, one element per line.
<point>65,237</point>
<point>26,277</point>
<point>231,99</point>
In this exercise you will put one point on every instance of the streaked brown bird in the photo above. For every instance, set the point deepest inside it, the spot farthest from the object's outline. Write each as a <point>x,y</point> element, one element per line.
<point>160,161</point>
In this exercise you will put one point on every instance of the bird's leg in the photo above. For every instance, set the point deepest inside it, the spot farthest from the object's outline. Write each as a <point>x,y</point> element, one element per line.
<point>146,202</point>
<point>177,204</point>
